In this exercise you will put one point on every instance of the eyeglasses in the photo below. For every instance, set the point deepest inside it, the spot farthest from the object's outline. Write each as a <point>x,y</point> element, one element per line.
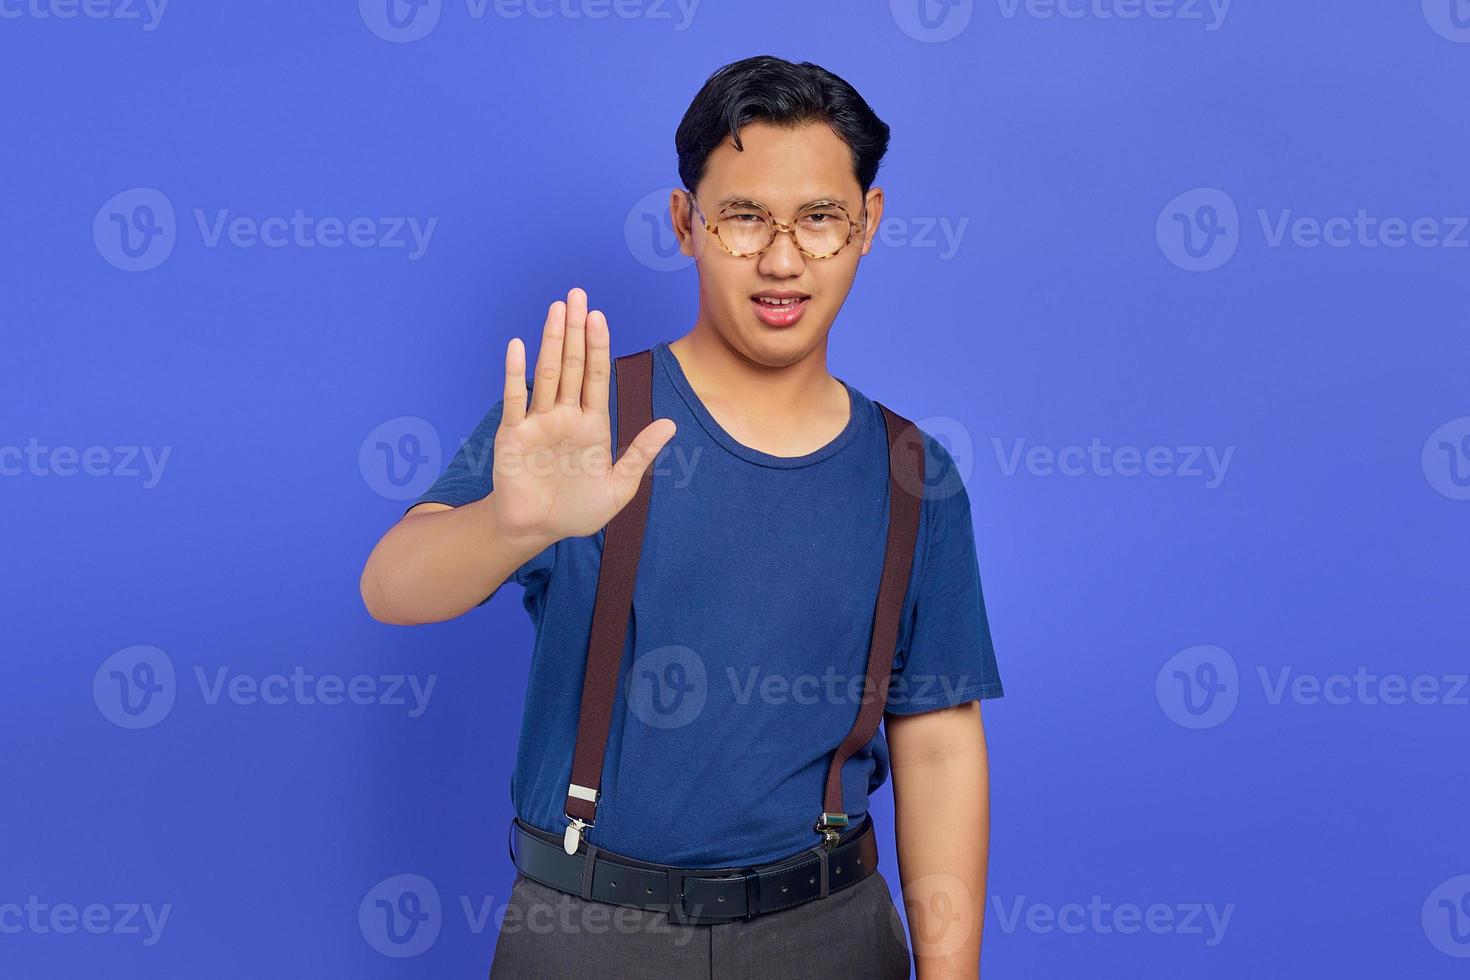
<point>745,228</point>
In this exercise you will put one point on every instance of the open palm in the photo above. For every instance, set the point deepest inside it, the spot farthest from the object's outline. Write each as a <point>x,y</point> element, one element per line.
<point>553,472</point>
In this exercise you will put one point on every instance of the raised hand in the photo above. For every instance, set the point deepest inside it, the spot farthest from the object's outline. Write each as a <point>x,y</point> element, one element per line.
<point>553,471</point>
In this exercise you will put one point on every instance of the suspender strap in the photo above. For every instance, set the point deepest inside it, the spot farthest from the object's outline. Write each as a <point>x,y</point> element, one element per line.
<point>614,602</point>
<point>905,488</point>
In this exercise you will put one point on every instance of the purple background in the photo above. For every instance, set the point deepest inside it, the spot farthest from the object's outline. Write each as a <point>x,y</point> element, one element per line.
<point>1061,312</point>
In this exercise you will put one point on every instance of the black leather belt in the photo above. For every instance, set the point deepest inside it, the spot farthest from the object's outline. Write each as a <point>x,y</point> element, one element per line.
<point>695,896</point>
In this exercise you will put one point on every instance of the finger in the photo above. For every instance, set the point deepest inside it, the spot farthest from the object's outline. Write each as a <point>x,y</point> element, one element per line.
<point>514,409</point>
<point>599,364</point>
<point>630,467</point>
<point>548,358</point>
<point>574,349</point>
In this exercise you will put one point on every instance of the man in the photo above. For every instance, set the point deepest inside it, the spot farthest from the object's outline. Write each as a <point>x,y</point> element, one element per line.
<point>767,538</point>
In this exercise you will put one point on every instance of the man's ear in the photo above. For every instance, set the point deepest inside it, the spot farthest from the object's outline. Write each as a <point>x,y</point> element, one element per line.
<point>874,202</point>
<point>681,214</point>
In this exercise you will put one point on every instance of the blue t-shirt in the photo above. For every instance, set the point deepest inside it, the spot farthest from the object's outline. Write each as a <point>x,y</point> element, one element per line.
<point>748,641</point>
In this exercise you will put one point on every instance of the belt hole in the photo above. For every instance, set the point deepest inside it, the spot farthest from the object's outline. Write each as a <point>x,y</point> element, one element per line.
<point>648,890</point>
<point>837,871</point>
<point>613,883</point>
<point>720,898</point>
<point>811,881</point>
<point>783,889</point>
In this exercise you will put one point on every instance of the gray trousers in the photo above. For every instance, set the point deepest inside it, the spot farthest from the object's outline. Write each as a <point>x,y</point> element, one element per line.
<point>549,935</point>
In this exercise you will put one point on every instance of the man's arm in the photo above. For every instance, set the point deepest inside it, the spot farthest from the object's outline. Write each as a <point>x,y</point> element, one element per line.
<point>941,792</point>
<point>440,561</point>
<point>553,478</point>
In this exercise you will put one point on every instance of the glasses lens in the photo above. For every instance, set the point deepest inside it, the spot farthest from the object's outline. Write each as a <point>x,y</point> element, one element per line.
<point>823,231</point>
<point>745,231</point>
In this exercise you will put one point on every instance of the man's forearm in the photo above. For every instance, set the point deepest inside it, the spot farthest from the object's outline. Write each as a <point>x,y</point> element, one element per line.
<point>439,562</point>
<point>942,811</point>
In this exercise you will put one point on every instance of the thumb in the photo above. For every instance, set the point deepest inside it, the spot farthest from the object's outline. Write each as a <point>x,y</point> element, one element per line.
<point>630,467</point>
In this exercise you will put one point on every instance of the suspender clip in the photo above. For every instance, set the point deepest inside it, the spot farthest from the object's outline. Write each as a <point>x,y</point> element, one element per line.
<point>831,826</point>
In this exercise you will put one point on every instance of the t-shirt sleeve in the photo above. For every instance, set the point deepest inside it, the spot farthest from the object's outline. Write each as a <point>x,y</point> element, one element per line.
<point>944,655</point>
<point>467,478</point>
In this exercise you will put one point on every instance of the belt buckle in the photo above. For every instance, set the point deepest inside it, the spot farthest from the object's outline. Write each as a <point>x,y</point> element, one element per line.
<point>675,884</point>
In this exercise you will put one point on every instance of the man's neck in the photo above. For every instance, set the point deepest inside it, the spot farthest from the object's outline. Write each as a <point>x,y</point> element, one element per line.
<point>789,410</point>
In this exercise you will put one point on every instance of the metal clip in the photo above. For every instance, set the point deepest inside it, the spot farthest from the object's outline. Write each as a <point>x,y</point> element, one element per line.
<point>573,837</point>
<point>831,826</point>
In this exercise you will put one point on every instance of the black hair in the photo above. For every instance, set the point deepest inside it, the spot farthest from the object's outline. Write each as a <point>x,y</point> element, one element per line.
<point>770,89</point>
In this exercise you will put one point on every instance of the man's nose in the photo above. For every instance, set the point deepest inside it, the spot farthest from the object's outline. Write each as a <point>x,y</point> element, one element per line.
<point>783,260</point>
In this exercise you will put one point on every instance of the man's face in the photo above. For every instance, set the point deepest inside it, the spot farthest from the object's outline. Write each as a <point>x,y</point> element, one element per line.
<point>785,169</point>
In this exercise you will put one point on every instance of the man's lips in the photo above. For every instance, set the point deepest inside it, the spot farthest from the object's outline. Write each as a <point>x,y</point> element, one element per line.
<point>779,308</point>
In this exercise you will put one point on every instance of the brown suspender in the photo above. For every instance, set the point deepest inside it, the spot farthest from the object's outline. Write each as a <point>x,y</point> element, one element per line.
<point>614,602</point>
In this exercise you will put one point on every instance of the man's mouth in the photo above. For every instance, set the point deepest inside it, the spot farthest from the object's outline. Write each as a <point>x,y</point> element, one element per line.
<point>779,308</point>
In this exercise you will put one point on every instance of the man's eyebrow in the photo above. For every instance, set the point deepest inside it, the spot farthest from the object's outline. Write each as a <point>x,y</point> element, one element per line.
<point>741,199</point>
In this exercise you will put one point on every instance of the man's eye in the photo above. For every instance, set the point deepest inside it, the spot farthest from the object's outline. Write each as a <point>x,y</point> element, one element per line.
<point>745,218</point>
